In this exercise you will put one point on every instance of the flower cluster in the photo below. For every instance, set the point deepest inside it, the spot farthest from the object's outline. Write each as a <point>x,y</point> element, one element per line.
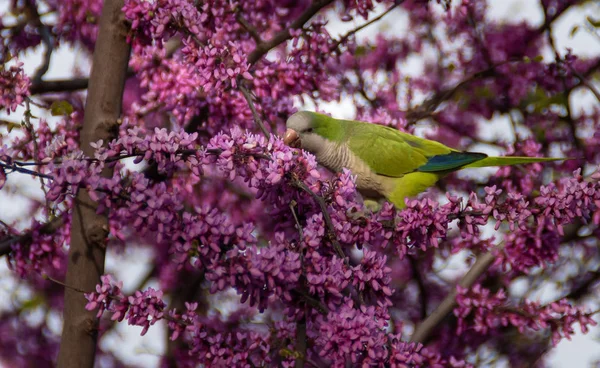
<point>78,21</point>
<point>481,310</point>
<point>141,309</point>
<point>42,249</point>
<point>14,86</point>
<point>258,274</point>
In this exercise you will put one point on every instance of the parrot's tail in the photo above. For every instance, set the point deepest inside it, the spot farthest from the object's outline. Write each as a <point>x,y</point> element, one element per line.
<point>416,182</point>
<point>508,160</point>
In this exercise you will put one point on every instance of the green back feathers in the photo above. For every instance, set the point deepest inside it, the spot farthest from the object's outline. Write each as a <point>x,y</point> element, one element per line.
<point>389,151</point>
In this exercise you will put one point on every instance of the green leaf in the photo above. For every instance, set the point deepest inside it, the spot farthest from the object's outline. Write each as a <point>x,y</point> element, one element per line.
<point>61,108</point>
<point>539,100</point>
<point>9,125</point>
<point>360,51</point>
<point>32,303</point>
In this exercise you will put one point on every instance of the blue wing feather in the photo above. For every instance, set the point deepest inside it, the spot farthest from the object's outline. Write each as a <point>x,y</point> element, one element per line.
<point>451,161</point>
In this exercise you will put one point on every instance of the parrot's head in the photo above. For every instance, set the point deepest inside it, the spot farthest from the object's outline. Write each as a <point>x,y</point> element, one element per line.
<point>311,131</point>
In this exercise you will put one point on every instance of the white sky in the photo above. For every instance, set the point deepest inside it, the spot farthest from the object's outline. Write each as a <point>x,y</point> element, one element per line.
<point>125,341</point>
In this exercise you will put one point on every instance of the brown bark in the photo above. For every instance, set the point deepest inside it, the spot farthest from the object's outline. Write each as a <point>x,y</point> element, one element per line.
<point>88,229</point>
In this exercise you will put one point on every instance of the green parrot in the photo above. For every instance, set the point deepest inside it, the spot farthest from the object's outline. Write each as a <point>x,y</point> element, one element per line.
<point>387,162</point>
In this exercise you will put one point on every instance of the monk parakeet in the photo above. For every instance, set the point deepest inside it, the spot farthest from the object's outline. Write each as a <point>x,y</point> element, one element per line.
<point>387,162</point>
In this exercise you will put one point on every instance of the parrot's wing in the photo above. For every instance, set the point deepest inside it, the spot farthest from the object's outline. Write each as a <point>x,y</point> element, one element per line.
<point>392,153</point>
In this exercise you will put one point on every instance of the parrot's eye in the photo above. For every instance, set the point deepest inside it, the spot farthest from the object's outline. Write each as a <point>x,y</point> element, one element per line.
<point>309,130</point>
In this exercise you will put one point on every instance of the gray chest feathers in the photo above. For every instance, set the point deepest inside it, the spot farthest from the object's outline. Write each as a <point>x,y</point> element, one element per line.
<point>371,185</point>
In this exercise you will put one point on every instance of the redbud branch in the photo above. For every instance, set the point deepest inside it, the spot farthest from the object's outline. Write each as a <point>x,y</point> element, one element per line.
<point>301,324</point>
<point>165,316</point>
<point>345,37</point>
<point>45,276</point>
<point>292,205</point>
<point>44,31</point>
<point>330,228</point>
<point>15,167</point>
<point>584,81</point>
<point>36,149</point>
<point>326,217</point>
<point>249,28</point>
<point>255,115</point>
<point>414,266</point>
<point>48,228</point>
<point>61,85</point>
<point>426,108</point>
<point>424,330</point>
<point>284,35</point>
<point>318,305</point>
<point>300,346</point>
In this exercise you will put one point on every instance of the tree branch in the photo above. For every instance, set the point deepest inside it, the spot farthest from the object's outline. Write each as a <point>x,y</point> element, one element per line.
<point>424,330</point>
<point>14,167</point>
<point>89,229</point>
<point>62,85</point>
<point>255,115</point>
<point>249,28</point>
<point>265,46</point>
<point>428,106</point>
<point>414,266</point>
<point>300,343</point>
<point>326,217</point>
<point>46,36</point>
<point>361,27</point>
<point>583,80</point>
<point>48,228</point>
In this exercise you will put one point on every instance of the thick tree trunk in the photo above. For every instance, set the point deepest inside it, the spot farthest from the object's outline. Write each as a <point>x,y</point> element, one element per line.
<point>88,229</point>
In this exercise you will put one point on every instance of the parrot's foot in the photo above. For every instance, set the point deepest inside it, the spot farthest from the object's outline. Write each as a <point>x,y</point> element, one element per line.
<point>371,205</point>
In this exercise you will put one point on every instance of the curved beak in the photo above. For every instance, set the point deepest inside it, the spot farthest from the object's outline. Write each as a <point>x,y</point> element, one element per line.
<point>291,138</point>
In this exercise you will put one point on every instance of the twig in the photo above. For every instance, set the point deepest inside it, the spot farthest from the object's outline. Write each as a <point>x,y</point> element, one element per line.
<point>18,166</point>
<point>45,276</point>
<point>265,46</point>
<point>36,150</point>
<point>357,29</point>
<point>317,304</point>
<point>249,28</point>
<point>292,205</point>
<point>13,167</point>
<point>257,118</point>
<point>330,229</point>
<point>584,81</point>
<point>48,228</point>
<point>326,216</point>
<point>46,40</point>
<point>426,108</point>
